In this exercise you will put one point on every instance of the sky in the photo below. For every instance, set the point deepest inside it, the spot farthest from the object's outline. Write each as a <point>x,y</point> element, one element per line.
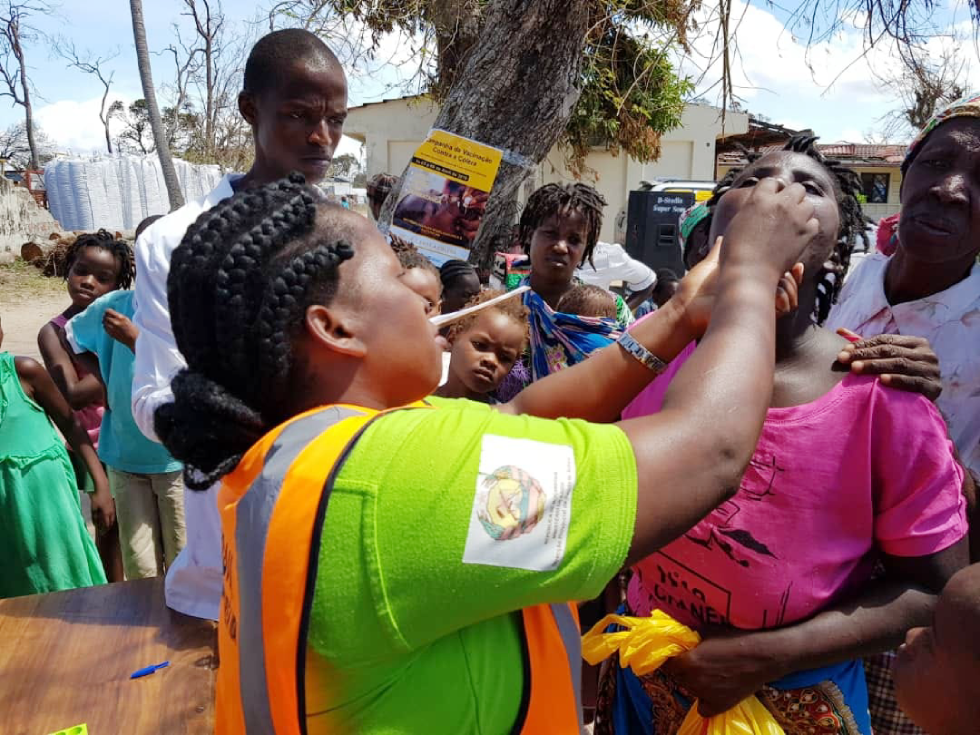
<point>829,86</point>
<point>832,86</point>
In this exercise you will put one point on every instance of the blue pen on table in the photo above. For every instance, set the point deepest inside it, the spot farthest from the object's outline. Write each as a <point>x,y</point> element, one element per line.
<point>148,670</point>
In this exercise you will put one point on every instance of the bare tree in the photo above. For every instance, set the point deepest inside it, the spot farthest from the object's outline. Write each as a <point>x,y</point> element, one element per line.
<point>209,23</point>
<point>232,148</point>
<point>922,84</point>
<point>208,66</point>
<point>15,150</point>
<point>149,93</point>
<point>14,31</point>
<point>86,64</point>
<point>186,64</point>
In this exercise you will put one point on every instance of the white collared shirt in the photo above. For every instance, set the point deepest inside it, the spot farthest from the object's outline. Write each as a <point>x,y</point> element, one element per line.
<point>612,263</point>
<point>194,580</point>
<point>157,358</point>
<point>950,320</point>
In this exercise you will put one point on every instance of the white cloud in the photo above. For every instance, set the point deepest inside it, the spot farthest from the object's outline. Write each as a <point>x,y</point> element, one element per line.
<point>74,126</point>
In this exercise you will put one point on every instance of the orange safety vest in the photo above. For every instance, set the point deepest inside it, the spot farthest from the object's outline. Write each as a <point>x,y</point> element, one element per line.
<point>271,528</point>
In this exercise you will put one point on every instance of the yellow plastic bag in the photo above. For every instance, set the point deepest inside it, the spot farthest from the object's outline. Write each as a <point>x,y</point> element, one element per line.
<point>646,644</point>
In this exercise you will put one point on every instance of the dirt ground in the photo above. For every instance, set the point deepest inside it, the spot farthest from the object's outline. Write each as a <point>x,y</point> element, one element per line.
<point>27,301</point>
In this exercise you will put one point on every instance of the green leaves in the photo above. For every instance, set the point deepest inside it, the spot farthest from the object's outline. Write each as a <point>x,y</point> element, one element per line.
<point>631,94</point>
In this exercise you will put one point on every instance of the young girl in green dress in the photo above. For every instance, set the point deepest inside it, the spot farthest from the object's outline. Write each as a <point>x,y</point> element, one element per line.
<point>43,540</point>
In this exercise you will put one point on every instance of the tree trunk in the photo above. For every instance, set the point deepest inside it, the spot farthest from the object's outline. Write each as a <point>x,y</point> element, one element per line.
<point>26,94</point>
<point>457,27</point>
<point>105,117</point>
<point>156,122</point>
<point>516,92</point>
<point>209,99</point>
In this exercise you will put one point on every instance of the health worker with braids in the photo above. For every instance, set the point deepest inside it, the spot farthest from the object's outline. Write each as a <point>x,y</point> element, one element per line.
<point>294,97</point>
<point>780,578</point>
<point>397,565</point>
<point>924,284</point>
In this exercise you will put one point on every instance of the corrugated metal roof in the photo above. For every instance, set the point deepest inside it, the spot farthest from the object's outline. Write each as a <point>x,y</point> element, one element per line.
<point>863,154</point>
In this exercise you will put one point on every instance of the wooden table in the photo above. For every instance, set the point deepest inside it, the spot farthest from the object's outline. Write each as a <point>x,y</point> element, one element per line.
<point>66,657</point>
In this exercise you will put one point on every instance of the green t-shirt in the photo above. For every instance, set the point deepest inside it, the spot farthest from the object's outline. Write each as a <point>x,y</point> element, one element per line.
<point>442,525</point>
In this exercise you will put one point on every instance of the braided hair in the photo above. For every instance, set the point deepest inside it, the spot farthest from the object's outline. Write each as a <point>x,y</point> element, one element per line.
<point>239,285</point>
<point>452,271</point>
<point>106,241</point>
<point>847,187</point>
<point>557,199</point>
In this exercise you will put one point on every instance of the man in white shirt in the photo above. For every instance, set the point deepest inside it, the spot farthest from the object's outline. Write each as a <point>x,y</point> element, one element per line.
<point>611,263</point>
<point>295,99</point>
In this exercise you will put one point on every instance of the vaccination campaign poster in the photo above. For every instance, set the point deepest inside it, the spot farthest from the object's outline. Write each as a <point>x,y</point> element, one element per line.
<point>444,195</point>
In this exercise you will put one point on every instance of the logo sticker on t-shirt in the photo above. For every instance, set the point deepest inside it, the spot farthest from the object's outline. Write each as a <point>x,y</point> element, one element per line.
<point>522,506</point>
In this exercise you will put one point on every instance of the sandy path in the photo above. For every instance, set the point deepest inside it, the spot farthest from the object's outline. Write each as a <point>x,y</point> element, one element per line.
<point>23,320</point>
<point>27,301</point>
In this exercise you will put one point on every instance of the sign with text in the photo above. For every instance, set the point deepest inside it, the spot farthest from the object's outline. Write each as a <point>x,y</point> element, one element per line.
<point>444,195</point>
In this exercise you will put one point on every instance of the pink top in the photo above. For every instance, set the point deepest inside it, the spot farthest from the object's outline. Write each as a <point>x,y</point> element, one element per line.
<point>90,417</point>
<point>861,468</point>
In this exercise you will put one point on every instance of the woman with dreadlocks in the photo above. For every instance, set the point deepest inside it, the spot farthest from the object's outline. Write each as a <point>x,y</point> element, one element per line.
<point>391,564</point>
<point>559,228</point>
<point>779,577</point>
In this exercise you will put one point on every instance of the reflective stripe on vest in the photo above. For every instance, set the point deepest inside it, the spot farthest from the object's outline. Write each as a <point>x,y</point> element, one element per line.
<point>554,646</point>
<point>253,514</point>
<point>272,516</point>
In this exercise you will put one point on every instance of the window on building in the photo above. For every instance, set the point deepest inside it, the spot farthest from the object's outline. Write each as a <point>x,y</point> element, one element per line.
<point>876,187</point>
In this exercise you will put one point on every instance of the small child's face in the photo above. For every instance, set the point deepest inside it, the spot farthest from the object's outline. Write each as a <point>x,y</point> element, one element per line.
<point>95,272</point>
<point>427,285</point>
<point>484,354</point>
<point>937,669</point>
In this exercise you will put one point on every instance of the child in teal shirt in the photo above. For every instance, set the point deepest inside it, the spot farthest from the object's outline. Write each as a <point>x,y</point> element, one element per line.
<point>145,480</point>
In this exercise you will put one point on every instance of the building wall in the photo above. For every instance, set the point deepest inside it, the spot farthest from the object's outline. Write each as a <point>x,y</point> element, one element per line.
<point>391,131</point>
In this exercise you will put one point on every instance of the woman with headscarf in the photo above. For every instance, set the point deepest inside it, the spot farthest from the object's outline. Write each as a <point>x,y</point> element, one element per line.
<point>924,284</point>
